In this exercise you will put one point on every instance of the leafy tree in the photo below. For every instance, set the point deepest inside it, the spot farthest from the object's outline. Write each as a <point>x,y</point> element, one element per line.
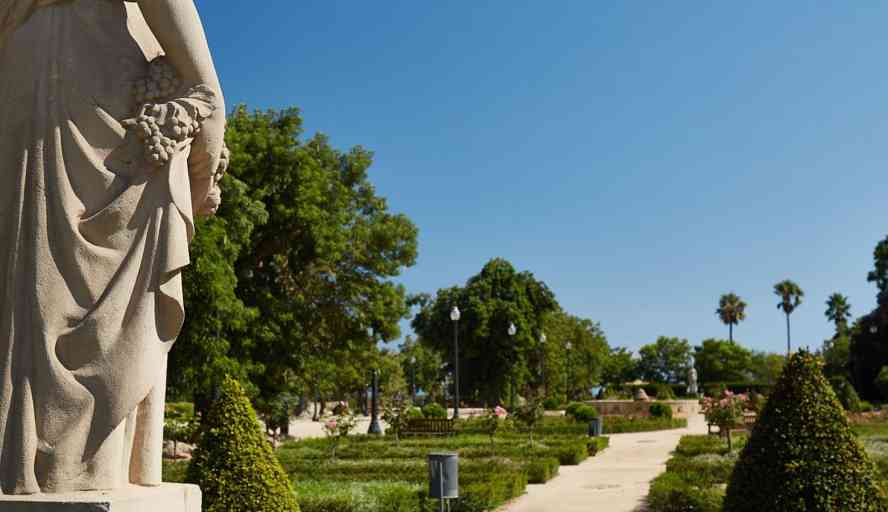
<point>766,367</point>
<point>427,367</point>
<point>790,298</point>
<point>666,360</point>
<point>869,334</point>
<point>868,353</point>
<point>490,359</point>
<point>722,361</point>
<point>299,263</point>
<point>879,274</point>
<point>786,466</point>
<point>838,311</point>
<point>215,332</point>
<point>836,353</point>
<point>620,367</point>
<point>732,311</point>
<point>566,373</point>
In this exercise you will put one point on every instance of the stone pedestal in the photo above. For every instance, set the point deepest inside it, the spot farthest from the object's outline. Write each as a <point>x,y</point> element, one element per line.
<point>165,498</point>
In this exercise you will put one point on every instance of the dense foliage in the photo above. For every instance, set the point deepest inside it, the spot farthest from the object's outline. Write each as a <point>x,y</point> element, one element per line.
<point>666,360</point>
<point>868,347</point>
<point>731,310</point>
<point>294,272</point>
<point>722,361</point>
<point>802,455</point>
<point>569,374</point>
<point>234,464</point>
<point>493,363</point>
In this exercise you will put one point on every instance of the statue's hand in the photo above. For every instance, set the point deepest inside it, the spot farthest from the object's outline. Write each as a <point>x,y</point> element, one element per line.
<point>206,164</point>
<point>194,121</point>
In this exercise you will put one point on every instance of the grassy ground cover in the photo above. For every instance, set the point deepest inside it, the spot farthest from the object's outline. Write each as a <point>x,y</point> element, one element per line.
<point>873,433</point>
<point>381,474</point>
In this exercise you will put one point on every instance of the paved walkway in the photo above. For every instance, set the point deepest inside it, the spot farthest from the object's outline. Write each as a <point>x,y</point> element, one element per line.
<point>616,480</point>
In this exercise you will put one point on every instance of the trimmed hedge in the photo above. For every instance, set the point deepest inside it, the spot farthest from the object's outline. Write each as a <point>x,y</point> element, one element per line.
<point>359,497</point>
<point>694,477</point>
<point>541,470</point>
<point>692,446</point>
<point>802,455</point>
<point>660,410</point>
<point>710,468</point>
<point>434,410</point>
<point>233,464</point>
<point>669,492</point>
<point>716,388</point>
<point>622,425</point>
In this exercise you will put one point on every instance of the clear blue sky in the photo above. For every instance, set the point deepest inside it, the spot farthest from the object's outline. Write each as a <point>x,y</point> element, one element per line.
<point>639,157</point>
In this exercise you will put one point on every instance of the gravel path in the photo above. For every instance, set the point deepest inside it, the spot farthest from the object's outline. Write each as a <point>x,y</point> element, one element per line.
<point>616,480</point>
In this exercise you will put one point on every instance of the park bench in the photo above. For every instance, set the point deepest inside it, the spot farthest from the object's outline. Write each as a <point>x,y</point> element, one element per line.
<point>428,427</point>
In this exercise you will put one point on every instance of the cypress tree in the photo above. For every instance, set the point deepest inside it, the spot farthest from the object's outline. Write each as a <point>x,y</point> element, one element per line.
<point>234,464</point>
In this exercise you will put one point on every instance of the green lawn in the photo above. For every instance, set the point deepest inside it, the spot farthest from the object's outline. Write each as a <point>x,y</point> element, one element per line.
<point>874,436</point>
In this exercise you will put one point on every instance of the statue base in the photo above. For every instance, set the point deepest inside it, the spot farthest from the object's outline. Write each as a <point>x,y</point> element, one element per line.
<point>165,498</point>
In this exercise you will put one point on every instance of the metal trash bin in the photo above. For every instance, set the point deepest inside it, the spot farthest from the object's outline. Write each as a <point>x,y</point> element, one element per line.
<point>444,475</point>
<point>596,427</point>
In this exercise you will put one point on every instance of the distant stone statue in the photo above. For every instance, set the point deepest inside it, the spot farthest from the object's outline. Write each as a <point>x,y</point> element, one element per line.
<point>692,382</point>
<point>641,395</point>
<point>107,150</point>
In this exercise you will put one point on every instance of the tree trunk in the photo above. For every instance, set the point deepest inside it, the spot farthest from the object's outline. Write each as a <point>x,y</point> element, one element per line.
<point>731,333</point>
<point>788,338</point>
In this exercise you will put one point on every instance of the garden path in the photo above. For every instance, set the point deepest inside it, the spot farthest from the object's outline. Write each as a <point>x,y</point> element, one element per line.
<point>616,480</point>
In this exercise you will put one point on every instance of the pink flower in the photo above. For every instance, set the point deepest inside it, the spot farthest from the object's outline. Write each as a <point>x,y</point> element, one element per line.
<point>500,412</point>
<point>331,425</point>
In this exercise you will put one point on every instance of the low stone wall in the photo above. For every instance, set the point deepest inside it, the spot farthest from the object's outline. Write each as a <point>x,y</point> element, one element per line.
<point>680,408</point>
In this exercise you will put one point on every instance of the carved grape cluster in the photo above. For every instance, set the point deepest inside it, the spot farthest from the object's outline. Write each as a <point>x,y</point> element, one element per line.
<point>161,83</point>
<point>162,128</point>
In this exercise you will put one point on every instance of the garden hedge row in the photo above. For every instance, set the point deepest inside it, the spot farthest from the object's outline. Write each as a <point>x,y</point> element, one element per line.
<point>694,477</point>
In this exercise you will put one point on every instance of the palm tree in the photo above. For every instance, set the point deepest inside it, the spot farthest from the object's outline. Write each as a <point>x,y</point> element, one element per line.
<point>732,311</point>
<point>790,297</point>
<point>838,311</point>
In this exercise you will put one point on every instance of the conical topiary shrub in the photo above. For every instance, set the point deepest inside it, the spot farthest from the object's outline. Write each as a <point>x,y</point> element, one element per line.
<point>802,456</point>
<point>233,464</point>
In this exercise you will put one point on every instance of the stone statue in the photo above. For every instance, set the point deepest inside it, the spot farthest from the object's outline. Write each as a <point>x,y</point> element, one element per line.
<point>692,382</point>
<point>111,139</point>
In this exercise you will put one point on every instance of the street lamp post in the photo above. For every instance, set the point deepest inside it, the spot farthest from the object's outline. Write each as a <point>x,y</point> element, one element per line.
<point>375,429</point>
<point>454,316</point>
<point>569,346</point>
<point>543,363</point>
<point>512,330</point>
<point>413,379</point>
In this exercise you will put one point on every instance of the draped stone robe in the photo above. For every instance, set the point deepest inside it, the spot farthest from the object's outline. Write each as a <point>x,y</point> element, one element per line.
<point>92,242</point>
